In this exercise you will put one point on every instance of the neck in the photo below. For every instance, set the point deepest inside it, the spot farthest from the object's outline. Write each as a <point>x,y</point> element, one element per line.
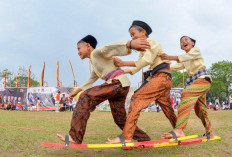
<point>187,50</point>
<point>90,51</point>
<point>145,37</point>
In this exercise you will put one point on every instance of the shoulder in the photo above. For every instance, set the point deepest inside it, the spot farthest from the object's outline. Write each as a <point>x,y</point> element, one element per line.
<point>195,50</point>
<point>95,52</point>
<point>152,41</point>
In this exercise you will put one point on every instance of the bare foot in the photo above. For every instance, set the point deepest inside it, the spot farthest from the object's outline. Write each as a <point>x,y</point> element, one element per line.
<point>167,135</point>
<point>116,140</point>
<point>211,135</point>
<point>62,138</point>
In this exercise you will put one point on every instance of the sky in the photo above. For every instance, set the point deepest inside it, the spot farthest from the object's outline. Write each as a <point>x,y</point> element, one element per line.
<point>37,31</point>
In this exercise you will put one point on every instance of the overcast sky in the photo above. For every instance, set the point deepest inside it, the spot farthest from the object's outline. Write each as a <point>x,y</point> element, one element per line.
<point>37,31</point>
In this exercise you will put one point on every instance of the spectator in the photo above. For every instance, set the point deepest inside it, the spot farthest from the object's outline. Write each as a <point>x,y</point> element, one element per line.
<point>57,97</point>
<point>63,103</point>
<point>38,104</point>
<point>224,105</point>
<point>230,99</point>
<point>216,105</point>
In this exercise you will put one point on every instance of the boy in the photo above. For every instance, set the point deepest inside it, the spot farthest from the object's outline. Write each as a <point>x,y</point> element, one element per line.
<point>196,87</point>
<point>157,86</point>
<point>114,90</point>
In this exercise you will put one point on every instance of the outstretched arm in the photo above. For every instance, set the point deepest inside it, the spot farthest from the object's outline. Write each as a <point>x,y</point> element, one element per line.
<point>119,63</point>
<point>122,48</point>
<point>93,78</point>
<point>164,56</point>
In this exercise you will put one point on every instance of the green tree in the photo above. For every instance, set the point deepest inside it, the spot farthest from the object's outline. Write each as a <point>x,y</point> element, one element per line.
<point>23,77</point>
<point>9,75</point>
<point>221,73</point>
<point>177,79</point>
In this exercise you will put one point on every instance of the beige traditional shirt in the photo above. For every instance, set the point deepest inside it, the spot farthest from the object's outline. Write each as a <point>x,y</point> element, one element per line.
<point>191,61</point>
<point>149,57</point>
<point>102,62</point>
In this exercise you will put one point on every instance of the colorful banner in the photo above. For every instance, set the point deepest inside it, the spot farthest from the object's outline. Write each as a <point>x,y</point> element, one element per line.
<point>13,97</point>
<point>75,82</point>
<point>52,98</point>
<point>22,98</point>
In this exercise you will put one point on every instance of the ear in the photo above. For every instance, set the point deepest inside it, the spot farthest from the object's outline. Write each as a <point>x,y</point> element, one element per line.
<point>144,32</point>
<point>87,44</point>
<point>192,43</point>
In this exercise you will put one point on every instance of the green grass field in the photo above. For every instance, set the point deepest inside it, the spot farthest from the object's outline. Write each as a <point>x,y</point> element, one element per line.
<point>21,134</point>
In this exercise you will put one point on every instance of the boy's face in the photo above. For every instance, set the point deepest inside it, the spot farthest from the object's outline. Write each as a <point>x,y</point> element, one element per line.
<point>83,50</point>
<point>186,44</point>
<point>135,34</point>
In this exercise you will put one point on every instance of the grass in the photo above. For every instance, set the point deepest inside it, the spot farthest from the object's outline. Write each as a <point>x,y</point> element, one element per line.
<point>21,134</point>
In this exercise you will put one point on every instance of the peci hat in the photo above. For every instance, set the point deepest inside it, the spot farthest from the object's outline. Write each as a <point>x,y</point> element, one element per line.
<point>91,40</point>
<point>143,25</point>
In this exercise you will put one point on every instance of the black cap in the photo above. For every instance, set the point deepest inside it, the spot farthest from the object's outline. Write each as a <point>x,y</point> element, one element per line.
<point>193,40</point>
<point>143,25</point>
<point>91,40</point>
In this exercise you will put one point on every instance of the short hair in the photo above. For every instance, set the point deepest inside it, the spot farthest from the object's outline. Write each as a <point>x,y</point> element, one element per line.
<point>91,40</point>
<point>81,41</point>
<point>139,29</point>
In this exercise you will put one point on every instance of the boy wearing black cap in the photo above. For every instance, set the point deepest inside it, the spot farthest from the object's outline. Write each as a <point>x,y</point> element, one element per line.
<point>156,87</point>
<point>114,89</point>
<point>196,87</point>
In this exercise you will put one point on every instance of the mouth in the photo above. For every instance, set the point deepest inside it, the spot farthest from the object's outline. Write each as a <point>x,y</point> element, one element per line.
<point>185,45</point>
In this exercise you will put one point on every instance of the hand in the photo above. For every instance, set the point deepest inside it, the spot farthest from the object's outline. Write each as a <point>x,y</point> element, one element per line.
<point>140,44</point>
<point>164,56</point>
<point>118,62</point>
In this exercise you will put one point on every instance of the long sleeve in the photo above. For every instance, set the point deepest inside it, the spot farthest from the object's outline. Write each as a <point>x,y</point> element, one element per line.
<point>147,58</point>
<point>194,53</point>
<point>114,49</point>
<point>90,82</point>
<point>178,66</point>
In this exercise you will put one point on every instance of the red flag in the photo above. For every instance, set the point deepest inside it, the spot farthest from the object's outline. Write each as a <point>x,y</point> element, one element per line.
<point>57,74</point>
<point>75,82</point>
<point>17,78</point>
<point>42,76</point>
<point>29,77</point>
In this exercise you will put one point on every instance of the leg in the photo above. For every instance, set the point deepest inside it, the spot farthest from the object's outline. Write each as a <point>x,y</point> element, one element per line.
<point>201,112</point>
<point>87,103</point>
<point>189,98</point>
<point>119,114</point>
<point>142,98</point>
<point>166,106</point>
